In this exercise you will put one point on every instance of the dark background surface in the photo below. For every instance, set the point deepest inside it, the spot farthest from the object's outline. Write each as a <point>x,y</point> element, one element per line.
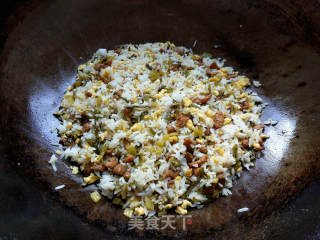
<point>30,211</point>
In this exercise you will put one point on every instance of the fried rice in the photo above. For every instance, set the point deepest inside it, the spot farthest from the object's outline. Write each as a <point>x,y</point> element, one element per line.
<point>159,128</point>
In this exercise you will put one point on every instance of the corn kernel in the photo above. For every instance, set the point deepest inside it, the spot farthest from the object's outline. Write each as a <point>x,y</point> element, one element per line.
<point>103,136</point>
<point>264,136</point>
<point>189,172</point>
<point>123,128</point>
<point>227,121</point>
<point>58,152</point>
<point>128,212</point>
<point>81,67</point>
<point>220,151</point>
<point>158,150</point>
<point>178,178</point>
<point>147,117</point>
<point>106,73</point>
<point>90,179</point>
<point>243,116</point>
<point>135,99</point>
<point>95,196</point>
<point>75,170</point>
<point>189,124</point>
<point>224,70</point>
<point>159,95</point>
<point>168,206</point>
<point>216,92</point>
<point>209,113</point>
<point>156,114</point>
<point>139,211</point>
<point>147,90</point>
<point>257,146</point>
<point>214,79</point>
<point>185,204</point>
<point>242,82</point>
<point>198,86</point>
<point>201,116</point>
<point>98,101</point>
<point>160,143</point>
<point>243,95</point>
<point>93,89</point>
<point>215,180</point>
<point>186,102</point>
<point>165,137</point>
<point>193,110</point>
<point>173,139</point>
<point>136,127</point>
<point>200,141</point>
<point>98,159</point>
<point>181,211</point>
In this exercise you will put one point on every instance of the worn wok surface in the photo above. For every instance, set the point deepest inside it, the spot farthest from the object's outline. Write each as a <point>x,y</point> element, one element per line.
<point>275,42</point>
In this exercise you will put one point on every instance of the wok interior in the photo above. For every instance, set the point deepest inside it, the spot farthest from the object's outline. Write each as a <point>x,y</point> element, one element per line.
<point>40,59</point>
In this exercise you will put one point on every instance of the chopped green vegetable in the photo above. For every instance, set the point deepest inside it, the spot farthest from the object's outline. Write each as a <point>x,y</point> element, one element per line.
<point>117,201</point>
<point>151,132</point>
<point>124,191</point>
<point>154,75</point>
<point>148,203</point>
<point>174,162</point>
<point>216,193</point>
<point>207,55</point>
<point>198,132</point>
<point>235,151</point>
<point>186,72</point>
<point>160,143</point>
<point>103,149</point>
<point>131,149</point>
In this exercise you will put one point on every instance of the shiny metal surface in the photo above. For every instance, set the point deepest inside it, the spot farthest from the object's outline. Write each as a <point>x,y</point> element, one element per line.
<point>263,39</point>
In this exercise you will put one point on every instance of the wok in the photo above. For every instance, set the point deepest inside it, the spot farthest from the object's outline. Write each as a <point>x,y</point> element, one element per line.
<point>275,42</point>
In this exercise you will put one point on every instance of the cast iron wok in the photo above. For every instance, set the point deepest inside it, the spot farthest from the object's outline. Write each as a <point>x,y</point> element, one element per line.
<point>274,42</point>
